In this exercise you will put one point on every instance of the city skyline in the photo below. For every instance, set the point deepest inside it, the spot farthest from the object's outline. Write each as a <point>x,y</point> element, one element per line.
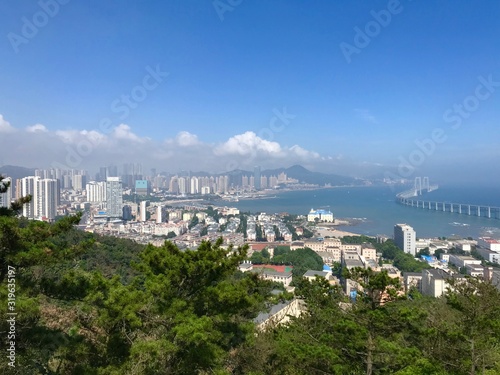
<point>353,88</point>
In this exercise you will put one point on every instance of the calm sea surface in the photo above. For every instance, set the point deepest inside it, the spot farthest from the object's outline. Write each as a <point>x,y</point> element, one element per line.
<point>379,212</point>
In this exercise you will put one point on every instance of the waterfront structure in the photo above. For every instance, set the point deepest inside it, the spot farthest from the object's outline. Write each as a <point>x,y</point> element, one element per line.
<point>114,197</point>
<point>321,215</point>
<point>405,238</point>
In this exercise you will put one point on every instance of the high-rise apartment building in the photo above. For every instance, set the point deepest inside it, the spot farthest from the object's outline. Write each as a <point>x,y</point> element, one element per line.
<point>6,198</point>
<point>405,238</point>
<point>114,197</point>
<point>256,176</point>
<point>143,210</point>
<point>28,188</point>
<point>44,197</point>
<point>96,191</point>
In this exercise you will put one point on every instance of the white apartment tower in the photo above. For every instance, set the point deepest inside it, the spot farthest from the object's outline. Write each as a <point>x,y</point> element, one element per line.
<point>114,197</point>
<point>143,210</point>
<point>96,191</point>
<point>159,215</point>
<point>405,238</point>
<point>6,198</point>
<point>45,197</point>
<point>28,188</point>
<point>195,186</point>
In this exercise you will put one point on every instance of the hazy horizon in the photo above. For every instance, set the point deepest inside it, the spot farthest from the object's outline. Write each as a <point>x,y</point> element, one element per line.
<point>388,87</point>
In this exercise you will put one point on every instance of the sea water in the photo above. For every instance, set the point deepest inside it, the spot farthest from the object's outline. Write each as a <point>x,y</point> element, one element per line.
<point>377,211</point>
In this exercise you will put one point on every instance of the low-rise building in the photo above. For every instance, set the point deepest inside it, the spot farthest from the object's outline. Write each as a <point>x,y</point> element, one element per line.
<point>368,252</point>
<point>434,282</point>
<point>413,280</point>
<point>280,314</point>
<point>280,274</point>
<point>462,261</point>
<point>351,259</point>
<point>312,275</point>
<point>474,270</point>
<point>489,243</point>
<point>489,255</point>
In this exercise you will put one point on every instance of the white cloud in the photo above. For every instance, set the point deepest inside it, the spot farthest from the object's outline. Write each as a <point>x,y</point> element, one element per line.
<point>68,136</point>
<point>186,139</point>
<point>37,128</point>
<point>37,146</point>
<point>124,132</point>
<point>5,126</point>
<point>247,144</point>
<point>303,153</point>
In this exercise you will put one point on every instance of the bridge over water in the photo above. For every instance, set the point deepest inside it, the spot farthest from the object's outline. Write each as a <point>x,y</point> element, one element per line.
<point>410,198</point>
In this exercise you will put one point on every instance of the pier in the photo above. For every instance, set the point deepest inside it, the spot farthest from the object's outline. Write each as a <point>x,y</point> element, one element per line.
<point>410,198</point>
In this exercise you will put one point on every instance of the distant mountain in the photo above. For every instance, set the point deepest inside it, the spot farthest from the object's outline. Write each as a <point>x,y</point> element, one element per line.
<point>16,172</point>
<point>304,175</point>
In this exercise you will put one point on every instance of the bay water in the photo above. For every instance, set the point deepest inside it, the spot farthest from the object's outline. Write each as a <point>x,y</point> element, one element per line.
<point>377,211</point>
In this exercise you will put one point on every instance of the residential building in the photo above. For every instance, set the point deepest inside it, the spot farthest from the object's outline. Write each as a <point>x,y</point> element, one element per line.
<point>6,198</point>
<point>44,197</point>
<point>489,255</point>
<point>143,210</point>
<point>280,314</point>
<point>256,177</point>
<point>412,279</point>
<point>280,274</point>
<point>434,282</point>
<point>405,238</point>
<point>462,261</point>
<point>489,243</point>
<point>96,191</point>
<point>114,197</point>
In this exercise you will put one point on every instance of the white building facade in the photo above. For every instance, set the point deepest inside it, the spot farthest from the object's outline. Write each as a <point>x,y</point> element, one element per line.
<point>405,238</point>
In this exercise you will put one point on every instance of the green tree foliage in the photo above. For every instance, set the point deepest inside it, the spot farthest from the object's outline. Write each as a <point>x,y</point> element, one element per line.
<point>89,304</point>
<point>172,312</point>
<point>403,261</point>
<point>476,302</point>
<point>194,221</point>
<point>424,251</point>
<point>302,260</point>
<point>358,239</point>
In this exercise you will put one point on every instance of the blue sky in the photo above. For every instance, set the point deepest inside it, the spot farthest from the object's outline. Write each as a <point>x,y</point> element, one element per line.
<point>231,68</point>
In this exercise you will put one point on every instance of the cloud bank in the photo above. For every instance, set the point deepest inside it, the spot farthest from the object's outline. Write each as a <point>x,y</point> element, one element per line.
<point>38,147</point>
